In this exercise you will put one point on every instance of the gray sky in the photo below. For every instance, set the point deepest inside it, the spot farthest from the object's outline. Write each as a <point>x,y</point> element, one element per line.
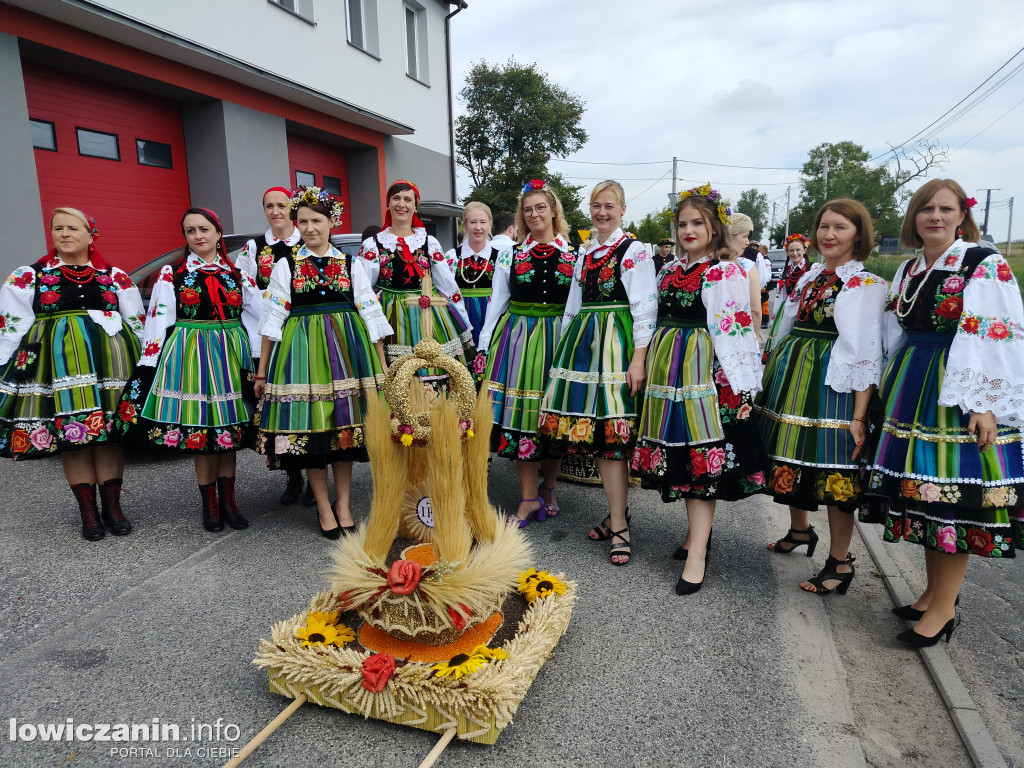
<point>761,82</point>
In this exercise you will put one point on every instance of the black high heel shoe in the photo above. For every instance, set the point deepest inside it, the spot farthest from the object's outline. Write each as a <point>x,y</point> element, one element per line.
<point>682,552</point>
<point>811,541</point>
<point>910,613</point>
<point>333,533</point>
<point>829,573</point>
<point>684,587</point>
<point>910,637</point>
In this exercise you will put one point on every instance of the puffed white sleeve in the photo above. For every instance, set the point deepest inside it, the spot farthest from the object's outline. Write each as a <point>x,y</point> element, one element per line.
<point>252,310</point>
<point>893,335</point>
<point>452,259</point>
<point>377,326</point>
<point>277,301</point>
<point>444,278</point>
<point>640,279</point>
<point>985,366</point>
<point>246,261</point>
<point>574,301</point>
<point>163,313</point>
<point>370,258</point>
<point>129,302</point>
<point>500,296</point>
<point>856,360</point>
<point>726,296</point>
<point>16,313</point>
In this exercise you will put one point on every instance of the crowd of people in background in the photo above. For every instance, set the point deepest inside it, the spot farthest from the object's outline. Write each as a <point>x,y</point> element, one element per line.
<point>901,403</point>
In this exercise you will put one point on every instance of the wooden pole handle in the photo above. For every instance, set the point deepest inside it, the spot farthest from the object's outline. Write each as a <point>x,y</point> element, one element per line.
<point>435,753</point>
<point>260,737</point>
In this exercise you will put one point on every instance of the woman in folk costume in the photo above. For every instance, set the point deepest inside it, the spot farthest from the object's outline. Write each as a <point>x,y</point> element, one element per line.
<point>949,459</point>
<point>322,357</point>
<point>473,264</point>
<point>192,388</point>
<point>817,384</point>
<point>517,343</point>
<point>397,259</point>
<point>70,327</point>
<point>257,260</point>
<point>590,404</point>
<point>703,364</point>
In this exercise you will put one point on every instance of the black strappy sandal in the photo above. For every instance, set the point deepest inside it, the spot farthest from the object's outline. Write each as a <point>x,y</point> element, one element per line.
<point>602,532</point>
<point>623,548</point>
<point>829,573</point>
<point>811,541</point>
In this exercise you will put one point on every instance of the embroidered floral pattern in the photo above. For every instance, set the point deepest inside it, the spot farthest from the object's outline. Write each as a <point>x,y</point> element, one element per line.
<point>948,538</point>
<point>732,322</point>
<point>309,277</point>
<point>995,328</point>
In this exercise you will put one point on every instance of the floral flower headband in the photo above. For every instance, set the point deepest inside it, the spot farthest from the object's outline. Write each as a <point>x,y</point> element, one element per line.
<point>714,197</point>
<point>317,196</point>
<point>534,185</point>
<point>793,238</point>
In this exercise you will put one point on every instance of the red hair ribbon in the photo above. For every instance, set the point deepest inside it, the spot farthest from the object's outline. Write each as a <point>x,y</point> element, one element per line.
<point>287,192</point>
<point>416,221</point>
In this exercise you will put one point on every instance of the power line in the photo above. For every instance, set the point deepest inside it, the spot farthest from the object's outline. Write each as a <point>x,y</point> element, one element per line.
<point>691,162</point>
<point>652,185</point>
<point>989,126</point>
<point>943,115</point>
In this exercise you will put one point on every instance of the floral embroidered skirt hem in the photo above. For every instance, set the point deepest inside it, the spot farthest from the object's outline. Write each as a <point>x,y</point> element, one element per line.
<point>517,372</point>
<point>696,439</point>
<point>198,398</point>
<point>805,426</point>
<point>587,407</point>
<point>450,331</point>
<point>318,378</point>
<point>929,482</point>
<point>476,300</point>
<point>62,386</point>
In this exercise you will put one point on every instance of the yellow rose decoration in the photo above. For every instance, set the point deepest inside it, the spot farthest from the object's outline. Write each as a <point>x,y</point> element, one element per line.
<point>840,487</point>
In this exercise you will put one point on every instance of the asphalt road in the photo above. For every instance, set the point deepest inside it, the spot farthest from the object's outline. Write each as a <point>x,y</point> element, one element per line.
<point>750,671</point>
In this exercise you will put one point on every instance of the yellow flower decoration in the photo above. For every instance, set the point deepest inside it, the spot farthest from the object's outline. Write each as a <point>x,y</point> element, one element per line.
<point>318,632</point>
<point>405,440</point>
<point>840,487</point>
<point>527,576</point>
<point>490,654</point>
<point>469,434</point>
<point>458,666</point>
<point>541,586</point>
<point>326,617</point>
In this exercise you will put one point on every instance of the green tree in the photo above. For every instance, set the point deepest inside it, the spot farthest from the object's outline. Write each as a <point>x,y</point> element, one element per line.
<point>515,121</point>
<point>653,226</point>
<point>755,205</point>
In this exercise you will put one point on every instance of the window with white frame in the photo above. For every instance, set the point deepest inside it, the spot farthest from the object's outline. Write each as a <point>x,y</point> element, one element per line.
<point>301,8</point>
<point>416,41</point>
<point>361,19</point>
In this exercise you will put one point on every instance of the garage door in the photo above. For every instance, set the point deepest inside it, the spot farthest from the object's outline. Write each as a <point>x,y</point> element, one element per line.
<point>316,163</point>
<point>116,153</point>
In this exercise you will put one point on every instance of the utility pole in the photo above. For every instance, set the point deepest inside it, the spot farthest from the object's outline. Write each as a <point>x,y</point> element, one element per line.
<point>988,203</point>
<point>675,165</point>
<point>787,215</point>
<point>774,206</point>
<point>824,169</point>
<point>1009,231</point>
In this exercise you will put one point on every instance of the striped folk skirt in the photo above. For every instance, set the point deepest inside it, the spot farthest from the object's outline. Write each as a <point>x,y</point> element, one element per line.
<point>476,300</point>
<point>450,331</point>
<point>61,388</point>
<point>198,398</point>
<point>318,378</point>
<point>587,407</point>
<point>937,489</point>
<point>805,425</point>
<point>696,438</point>
<point>517,372</point>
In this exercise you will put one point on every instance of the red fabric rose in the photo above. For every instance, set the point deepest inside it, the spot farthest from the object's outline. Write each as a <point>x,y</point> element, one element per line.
<point>19,441</point>
<point>152,348</point>
<point>998,330</point>
<point>377,670</point>
<point>94,422</point>
<point>189,296</point>
<point>698,462</point>
<point>24,280</point>
<point>565,268</point>
<point>729,399</point>
<point>1004,273</point>
<point>523,267</point>
<point>110,297</point>
<point>950,307</point>
<point>126,411</point>
<point>424,302</point>
<point>234,298</point>
<point>49,297</point>
<point>404,576</point>
<point>196,441</point>
<point>970,325</point>
<point>980,542</point>
<point>627,263</point>
<point>743,318</point>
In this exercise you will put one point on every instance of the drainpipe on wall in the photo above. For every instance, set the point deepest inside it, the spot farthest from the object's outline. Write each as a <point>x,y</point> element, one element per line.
<point>459,6</point>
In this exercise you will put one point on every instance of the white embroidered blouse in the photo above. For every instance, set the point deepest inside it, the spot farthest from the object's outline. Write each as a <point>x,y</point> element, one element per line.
<point>855,363</point>
<point>725,292</point>
<point>278,298</point>
<point>639,279</point>
<point>17,315</point>
<point>985,365</point>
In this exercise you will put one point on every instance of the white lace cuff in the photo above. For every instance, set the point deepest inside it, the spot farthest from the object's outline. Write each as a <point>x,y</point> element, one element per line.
<point>972,390</point>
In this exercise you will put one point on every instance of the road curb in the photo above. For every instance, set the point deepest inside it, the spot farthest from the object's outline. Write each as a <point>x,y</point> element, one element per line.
<point>973,731</point>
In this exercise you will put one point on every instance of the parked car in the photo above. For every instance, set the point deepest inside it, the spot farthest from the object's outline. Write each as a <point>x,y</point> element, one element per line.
<point>145,275</point>
<point>777,257</point>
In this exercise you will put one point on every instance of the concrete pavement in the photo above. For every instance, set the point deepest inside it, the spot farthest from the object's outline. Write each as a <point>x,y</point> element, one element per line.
<point>164,623</point>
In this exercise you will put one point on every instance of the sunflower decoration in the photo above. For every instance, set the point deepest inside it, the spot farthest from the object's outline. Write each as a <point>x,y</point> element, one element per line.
<point>459,665</point>
<point>539,584</point>
<point>490,654</point>
<point>320,632</point>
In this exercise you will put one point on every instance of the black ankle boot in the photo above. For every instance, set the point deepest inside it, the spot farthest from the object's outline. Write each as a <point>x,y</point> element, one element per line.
<point>211,509</point>
<point>228,506</point>
<point>110,495</point>
<point>92,528</point>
